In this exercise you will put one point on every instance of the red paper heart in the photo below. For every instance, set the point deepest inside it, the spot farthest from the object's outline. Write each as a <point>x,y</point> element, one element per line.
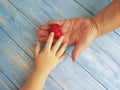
<point>55,28</point>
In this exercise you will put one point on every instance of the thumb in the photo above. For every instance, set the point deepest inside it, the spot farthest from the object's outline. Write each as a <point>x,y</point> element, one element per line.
<point>37,49</point>
<point>79,47</point>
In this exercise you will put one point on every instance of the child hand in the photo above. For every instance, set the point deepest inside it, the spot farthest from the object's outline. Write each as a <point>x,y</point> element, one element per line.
<point>45,61</point>
<point>50,56</point>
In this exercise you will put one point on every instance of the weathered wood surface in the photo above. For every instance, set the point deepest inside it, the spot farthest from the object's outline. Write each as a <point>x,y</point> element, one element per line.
<point>97,68</point>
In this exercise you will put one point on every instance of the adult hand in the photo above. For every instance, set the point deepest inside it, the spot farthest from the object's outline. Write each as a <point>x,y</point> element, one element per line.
<point>79,32</point>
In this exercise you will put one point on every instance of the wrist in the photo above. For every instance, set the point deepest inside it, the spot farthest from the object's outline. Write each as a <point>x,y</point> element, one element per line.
<point>95,26</point>
<point>41,71</point>
<point>35,81</point>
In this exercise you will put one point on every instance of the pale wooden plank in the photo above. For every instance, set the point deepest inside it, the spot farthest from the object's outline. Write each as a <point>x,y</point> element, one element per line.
<point>10,60</point>
<point>118,31</point>
<point>74,77</point>
<point>5,84</point>
<point>53,86</point>
<point>111,47</point>
<point>102,61</point>
<point>43,11</point>
<point>72,9</point>
<point>93,6</point>
<point>103,67</point>
<point>58,76</point>
<point>16,66</point>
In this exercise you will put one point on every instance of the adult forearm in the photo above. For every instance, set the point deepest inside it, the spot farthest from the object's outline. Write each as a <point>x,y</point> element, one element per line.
<point>107,19</point>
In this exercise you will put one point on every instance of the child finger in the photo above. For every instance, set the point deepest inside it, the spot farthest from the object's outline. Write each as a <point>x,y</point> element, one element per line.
<point>62,57</point>
<point>61,50</point>
<point>49,41</point>
<point>37,49</point>
<point>57,44</point>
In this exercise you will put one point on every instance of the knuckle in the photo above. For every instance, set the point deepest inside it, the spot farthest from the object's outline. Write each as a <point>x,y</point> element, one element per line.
<point>45,51</point>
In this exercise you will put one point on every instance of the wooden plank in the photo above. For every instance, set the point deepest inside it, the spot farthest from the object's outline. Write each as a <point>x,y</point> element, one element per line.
<point>111,47</point>
<point>5,84</point>
<point>16,66</point>
<point>43,11</point>
<point>72,9</point>
<point>93,6</point>
<point>10,62</point>
<point>102,67</point>
<point>11,22</point>
<point>51,85</point>
<point>73,74</point>
<point>117,31</point>
<point>67,69</point>
<point>102,61</point>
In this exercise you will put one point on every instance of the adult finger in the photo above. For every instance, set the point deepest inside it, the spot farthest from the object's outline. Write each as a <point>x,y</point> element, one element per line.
<point>37,49</point>
<point>42,39</point>
<point>49,41</point>
<point>79,47</point>
<point>57,44</point>
<point>44,27</point>
<point>61,50</point>
<point>42,32</point>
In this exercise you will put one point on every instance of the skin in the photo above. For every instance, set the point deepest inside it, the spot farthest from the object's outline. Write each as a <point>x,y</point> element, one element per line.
<point>80,32</point>
<point>45,61</point>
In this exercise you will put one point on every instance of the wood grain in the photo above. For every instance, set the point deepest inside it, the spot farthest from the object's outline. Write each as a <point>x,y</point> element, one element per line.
<point>97,67</point>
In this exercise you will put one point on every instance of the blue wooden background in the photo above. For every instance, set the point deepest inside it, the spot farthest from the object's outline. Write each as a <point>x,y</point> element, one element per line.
<point>97,68</point>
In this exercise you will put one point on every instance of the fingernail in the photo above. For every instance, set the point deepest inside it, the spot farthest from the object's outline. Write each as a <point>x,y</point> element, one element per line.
<point>74,59</point>
<point>62,37</point>
<point>52,33</point>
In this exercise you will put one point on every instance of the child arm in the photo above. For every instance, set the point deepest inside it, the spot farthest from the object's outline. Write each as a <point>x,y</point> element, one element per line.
<point>45,61</point>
